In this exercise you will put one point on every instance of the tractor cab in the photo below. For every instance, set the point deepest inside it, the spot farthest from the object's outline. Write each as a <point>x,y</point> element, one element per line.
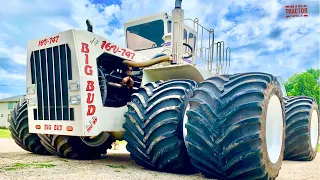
<point>151,35</point>
<point>163,34</point>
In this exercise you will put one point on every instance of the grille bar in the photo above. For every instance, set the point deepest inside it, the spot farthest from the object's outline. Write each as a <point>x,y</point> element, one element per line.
<point>39,85</point>
<point>50,71</point>
<point>68,76</point>
<point>51,87</point>
<point>54,85</point>
<point>44,84</point>
<point>57,82</point>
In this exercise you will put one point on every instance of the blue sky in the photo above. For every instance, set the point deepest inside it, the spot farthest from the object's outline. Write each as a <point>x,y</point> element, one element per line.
<point>260,36</point>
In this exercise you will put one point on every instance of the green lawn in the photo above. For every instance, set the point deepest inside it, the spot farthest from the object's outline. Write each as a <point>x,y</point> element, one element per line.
<point>5,133</point>
<point>17,166</point>
<point>318,147</point>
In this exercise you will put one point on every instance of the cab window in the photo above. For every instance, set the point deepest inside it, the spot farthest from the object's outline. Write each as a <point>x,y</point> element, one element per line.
<point>145,36</point>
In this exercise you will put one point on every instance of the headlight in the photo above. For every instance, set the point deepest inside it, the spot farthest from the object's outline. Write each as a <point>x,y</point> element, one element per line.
<point>74,100</point>
<point>30,90</point>
<point>31,102</point>
<point>74,86</point>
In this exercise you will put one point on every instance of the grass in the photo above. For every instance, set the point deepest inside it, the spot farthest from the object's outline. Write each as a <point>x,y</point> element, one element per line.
<point>318,147</point>
<point>123,142</point>
<point>116,166</point>
<point>5,133</point>
<point>17,166</point>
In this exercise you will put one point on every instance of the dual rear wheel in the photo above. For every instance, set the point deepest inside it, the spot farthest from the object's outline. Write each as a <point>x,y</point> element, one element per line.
<point>235,127</point>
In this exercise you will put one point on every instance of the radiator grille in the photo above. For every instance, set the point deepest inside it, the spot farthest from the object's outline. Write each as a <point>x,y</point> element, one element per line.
<point>50,71</point>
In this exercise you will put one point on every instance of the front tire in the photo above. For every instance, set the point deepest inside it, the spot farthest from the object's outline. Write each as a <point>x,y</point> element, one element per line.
<point>73,147</point>
<point>302,128</point>
<point>154,126</point>
<point>235,127</point>
<point>19,129</point>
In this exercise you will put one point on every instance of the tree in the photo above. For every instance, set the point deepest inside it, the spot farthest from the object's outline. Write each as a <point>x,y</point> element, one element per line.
<point>305,84</point>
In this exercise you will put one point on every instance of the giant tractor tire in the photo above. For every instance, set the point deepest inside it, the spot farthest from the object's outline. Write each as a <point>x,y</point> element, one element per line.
<point>235,127</point>
<point>154,126</point>
<point>302,128</point>
<point>20,130</point>
<point>73,147</point>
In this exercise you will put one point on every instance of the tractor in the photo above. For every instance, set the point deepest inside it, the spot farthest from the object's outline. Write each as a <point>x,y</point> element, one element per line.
<point>168,93</point>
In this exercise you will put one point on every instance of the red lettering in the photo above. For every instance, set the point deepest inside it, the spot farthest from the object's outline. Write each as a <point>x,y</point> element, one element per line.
<point>87,58</point>
<point>85,48</point>
<point>47,127</point>
<point>90,98</point>
<point>103,44</point>
<point>89,128</point>
<point>91,110</point>
<point>90,86</point>
<point>88,70</point>
<point>95,121</point>
<point>305,10</point>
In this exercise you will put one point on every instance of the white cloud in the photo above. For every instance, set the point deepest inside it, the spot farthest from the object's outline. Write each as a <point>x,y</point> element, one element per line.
<point>291,51</point>
<point>4,75</point>
<point>5,95</point>
<point>16,53</point>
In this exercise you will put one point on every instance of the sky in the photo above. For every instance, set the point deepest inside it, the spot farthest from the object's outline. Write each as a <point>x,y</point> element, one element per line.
<point>258,32</point>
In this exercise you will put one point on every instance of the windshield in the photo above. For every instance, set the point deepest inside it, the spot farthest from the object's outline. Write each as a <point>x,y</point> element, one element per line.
<point>145,36</point>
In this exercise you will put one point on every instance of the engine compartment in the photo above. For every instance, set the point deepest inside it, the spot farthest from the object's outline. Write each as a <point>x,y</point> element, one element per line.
<point>111,72</point>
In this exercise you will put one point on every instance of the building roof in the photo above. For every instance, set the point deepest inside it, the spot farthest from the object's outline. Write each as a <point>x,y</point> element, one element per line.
<point>11,99</point>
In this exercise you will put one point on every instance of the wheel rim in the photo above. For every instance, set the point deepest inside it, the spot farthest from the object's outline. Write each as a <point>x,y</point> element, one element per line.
<point>95,141</point>
<point>314,128</point>
<point>185,121</point>
<point>274,129</point>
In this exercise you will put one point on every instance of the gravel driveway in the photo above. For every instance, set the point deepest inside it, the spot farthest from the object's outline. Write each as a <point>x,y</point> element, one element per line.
<point>16,163</point>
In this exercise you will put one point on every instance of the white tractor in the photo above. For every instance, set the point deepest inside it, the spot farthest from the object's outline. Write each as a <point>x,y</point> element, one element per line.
<point>167,94</point>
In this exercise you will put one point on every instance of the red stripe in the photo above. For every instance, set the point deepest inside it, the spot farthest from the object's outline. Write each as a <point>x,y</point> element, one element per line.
<point>287,16</point>
<point>287,6</point>
<point>306,15</point>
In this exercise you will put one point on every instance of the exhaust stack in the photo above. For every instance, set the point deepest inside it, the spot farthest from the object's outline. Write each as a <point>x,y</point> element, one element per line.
<point>177,35</point>
<point>178,4</point>
<point>89,25</point>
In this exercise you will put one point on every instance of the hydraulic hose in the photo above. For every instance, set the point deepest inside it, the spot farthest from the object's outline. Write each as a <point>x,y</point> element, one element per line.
<point>147,63</point>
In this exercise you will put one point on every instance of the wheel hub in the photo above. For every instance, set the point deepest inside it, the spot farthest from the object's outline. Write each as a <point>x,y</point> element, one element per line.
<point>274,129</point>
<point>185,121</point>
<point>314,128</point>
